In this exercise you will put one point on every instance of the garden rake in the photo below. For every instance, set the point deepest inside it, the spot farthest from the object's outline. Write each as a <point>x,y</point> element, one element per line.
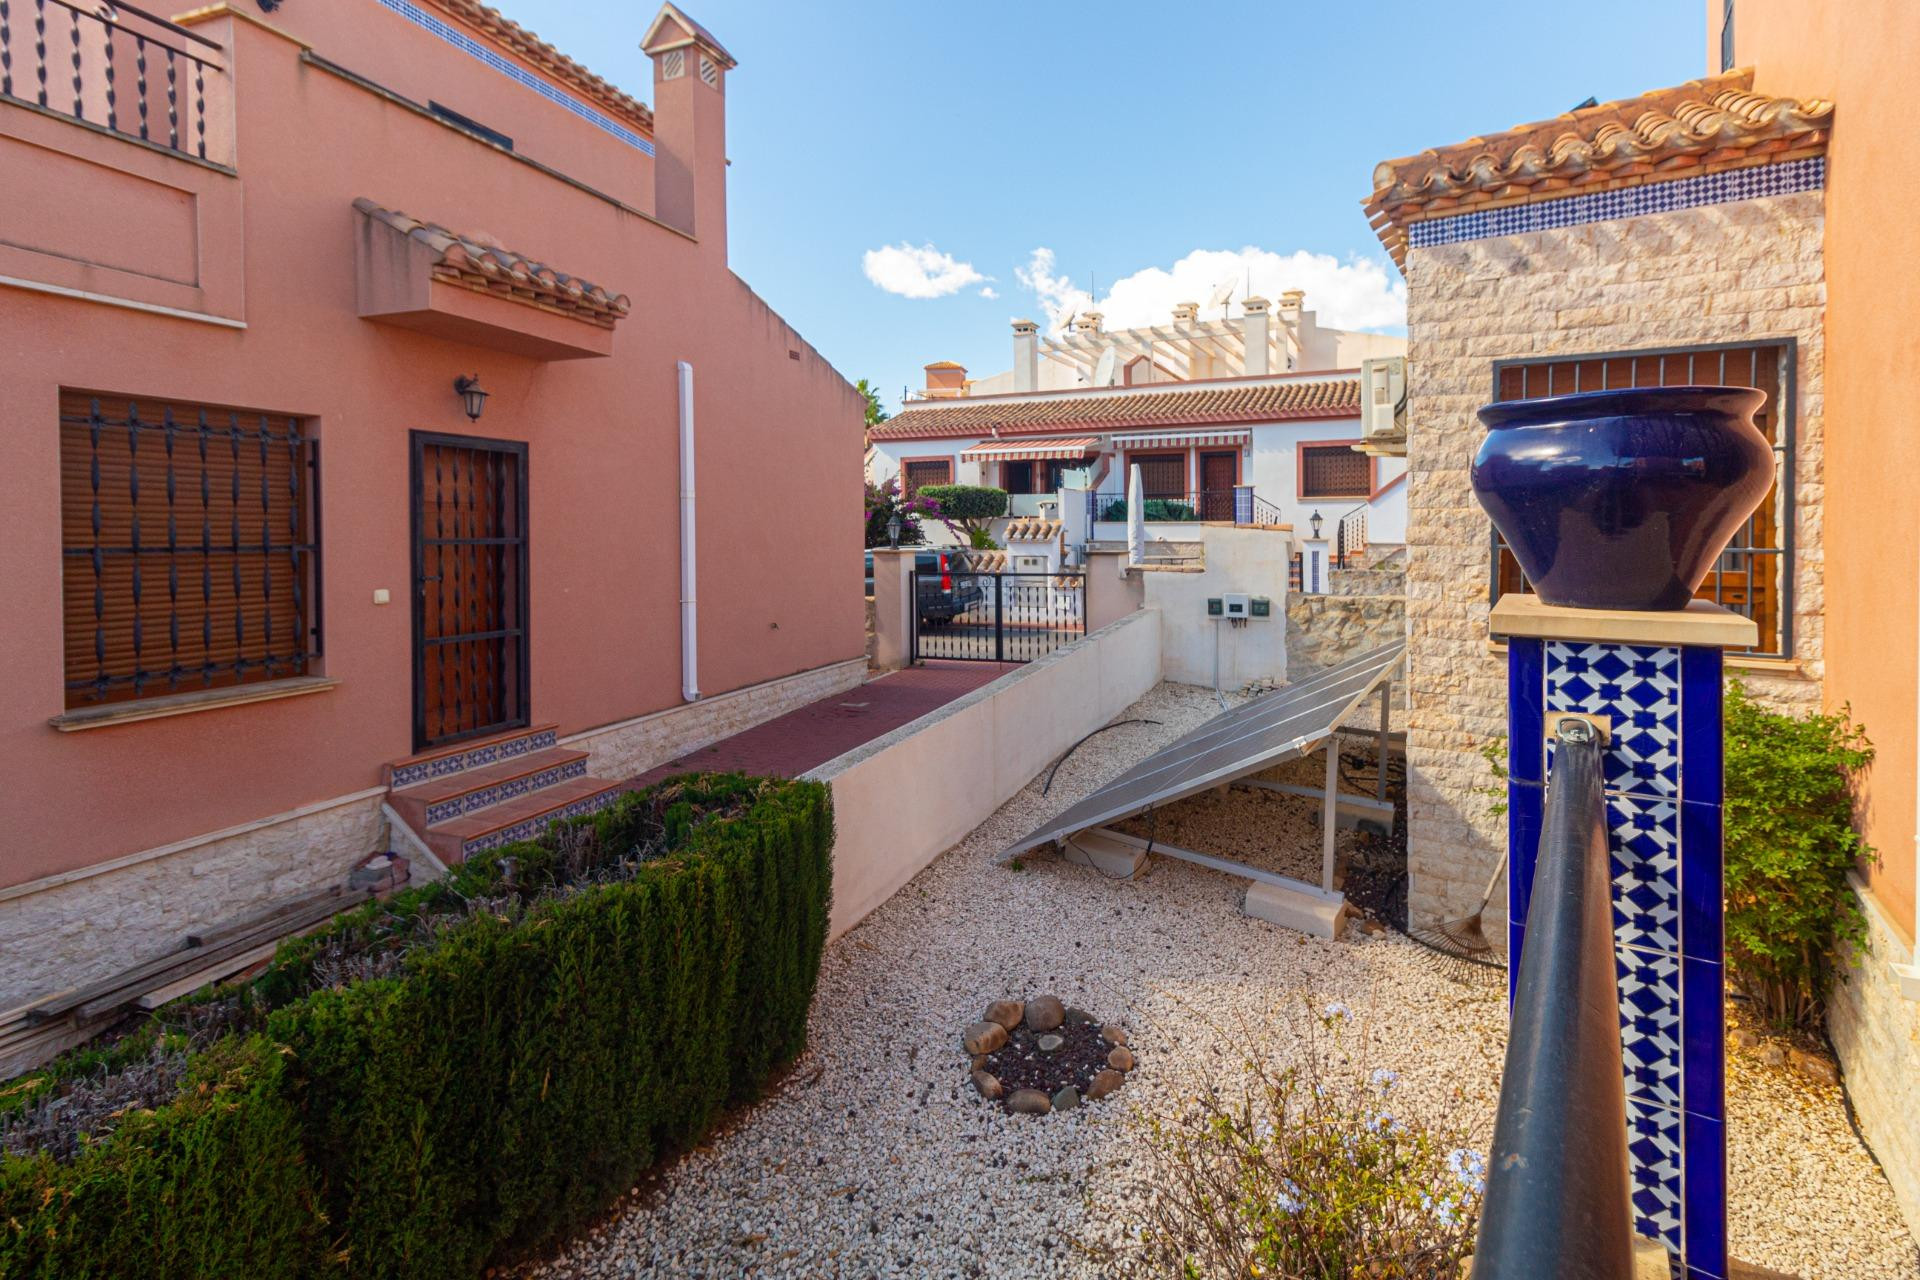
<point>1464,939</point>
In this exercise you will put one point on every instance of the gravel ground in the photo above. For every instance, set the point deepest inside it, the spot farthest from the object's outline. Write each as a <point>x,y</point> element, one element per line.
<point>875,1158</point>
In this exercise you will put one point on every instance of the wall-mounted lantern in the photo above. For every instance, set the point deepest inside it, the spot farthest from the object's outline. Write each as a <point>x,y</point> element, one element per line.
<point>1314,520</point>
<point>472,398</point>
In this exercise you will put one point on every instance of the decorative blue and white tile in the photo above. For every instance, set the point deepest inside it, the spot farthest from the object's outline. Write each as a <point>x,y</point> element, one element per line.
<point>1650,1036</point>
<point>1753,182</point>
<point>535,826</point>
<point>1636,689</point>
<point>1644,836</point>
<point>1654,1158</point>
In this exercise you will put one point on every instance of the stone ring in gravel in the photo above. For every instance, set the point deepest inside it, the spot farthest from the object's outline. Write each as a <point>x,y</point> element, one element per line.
<point>1042,1056</point>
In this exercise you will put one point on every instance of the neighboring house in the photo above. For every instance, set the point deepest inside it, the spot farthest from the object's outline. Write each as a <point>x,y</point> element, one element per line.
<point>261,550</point>
<point>1725,231</point>
<point>1254,420</point>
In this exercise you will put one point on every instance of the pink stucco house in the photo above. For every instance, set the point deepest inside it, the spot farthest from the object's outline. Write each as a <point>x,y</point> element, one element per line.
<point>280,595</point>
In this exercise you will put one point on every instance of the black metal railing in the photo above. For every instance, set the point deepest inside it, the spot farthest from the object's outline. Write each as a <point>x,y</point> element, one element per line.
<point>996,617</point>
<point>192,550</point>
<point>1557,1199</point>
<point>72,59</point>
<point>1350,539</point>
<point>1184,507</point>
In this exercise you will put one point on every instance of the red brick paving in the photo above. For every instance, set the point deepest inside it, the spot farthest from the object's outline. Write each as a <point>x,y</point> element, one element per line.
<point>789,745</point>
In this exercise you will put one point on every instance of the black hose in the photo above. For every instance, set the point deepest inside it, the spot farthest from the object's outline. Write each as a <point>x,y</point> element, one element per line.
<point>1048,784</point>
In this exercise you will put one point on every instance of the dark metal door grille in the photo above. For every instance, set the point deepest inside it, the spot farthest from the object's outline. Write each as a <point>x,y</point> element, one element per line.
<point>996,617</point>
<point>470,657</point>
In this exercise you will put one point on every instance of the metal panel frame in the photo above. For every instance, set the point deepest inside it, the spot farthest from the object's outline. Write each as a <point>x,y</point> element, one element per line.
<point>1339,690</point>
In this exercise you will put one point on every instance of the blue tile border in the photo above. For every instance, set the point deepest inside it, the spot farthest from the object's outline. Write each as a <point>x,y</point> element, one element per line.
<point>475,49</point>
<point>1701,905</point>
<point>1524,811</point>
<point>1784,178</point>
<point>1705,1195</point>
<point>1526,746</point>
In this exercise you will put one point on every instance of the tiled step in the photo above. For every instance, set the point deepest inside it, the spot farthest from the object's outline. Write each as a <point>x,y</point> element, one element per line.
<point>519,819</point>
<point>458,795</point>
<point>477,753</point>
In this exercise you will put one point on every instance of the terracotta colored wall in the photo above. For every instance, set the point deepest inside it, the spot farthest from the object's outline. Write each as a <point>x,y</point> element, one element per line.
<point>1861,56</point>
<point>778,428</point>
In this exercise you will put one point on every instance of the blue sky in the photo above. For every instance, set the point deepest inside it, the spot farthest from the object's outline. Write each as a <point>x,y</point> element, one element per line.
<point>1122,137</point>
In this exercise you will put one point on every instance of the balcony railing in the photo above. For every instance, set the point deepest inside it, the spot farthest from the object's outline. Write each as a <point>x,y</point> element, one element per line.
<point>1557,1193</point>
<point>119,68</point>
<point>1177,508</point>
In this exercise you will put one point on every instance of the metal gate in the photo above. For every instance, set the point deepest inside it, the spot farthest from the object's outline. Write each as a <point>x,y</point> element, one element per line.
<point>996,617</point>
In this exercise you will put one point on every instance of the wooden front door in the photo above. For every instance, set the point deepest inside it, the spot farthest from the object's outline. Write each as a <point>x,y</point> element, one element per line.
<point>469,588</point>
<point>1219,472</point>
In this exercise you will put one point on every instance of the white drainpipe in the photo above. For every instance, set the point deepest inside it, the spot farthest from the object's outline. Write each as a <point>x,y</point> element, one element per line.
<point>689,611</point>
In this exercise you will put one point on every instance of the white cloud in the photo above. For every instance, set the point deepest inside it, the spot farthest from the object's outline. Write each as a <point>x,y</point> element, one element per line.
<point>918,271</point>
<point>1356,294</point>
<point>988,291</point>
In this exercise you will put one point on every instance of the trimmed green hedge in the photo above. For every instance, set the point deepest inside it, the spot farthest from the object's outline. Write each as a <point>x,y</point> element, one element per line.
<point>510,1081</point>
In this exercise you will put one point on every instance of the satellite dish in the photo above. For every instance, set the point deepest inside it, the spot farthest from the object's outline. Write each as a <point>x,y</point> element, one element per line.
<point>1103,371</point>
<point>1221,296</point>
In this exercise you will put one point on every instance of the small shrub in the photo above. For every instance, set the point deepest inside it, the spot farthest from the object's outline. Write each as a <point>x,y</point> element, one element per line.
<point>884,503</point>
<point>971,506</point>
<point>1791,916</point>
<point>1309,1171</point>
<point>1153,509</point>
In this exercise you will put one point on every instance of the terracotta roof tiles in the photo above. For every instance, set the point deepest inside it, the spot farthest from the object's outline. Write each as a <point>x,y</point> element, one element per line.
<point>475,263</point>
<point>1335,397</point>
<point>1033,529</point>
<point>1703,126</point>
<point>495,25</point>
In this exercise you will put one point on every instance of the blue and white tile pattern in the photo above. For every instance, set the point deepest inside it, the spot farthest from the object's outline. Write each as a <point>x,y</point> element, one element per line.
<point>513,71</point>
<point>1786,178</point>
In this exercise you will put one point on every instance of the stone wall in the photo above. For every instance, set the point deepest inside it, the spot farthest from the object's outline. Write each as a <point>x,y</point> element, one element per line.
<point>1744,271</point>
<point>1875,1025</point>
<point>1324,631</point>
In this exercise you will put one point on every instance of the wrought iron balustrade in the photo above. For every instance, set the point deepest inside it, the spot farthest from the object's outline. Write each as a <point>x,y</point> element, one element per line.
<point>1350,539</point>
<point>1179,508</point>
<point>116,67</point>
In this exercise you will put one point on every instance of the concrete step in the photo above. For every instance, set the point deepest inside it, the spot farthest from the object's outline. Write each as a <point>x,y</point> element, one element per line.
<point>457,795</point>
<point>519,819</point>
<point>475,753</point>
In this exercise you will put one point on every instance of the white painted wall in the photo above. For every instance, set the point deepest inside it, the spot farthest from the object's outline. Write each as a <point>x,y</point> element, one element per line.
<point>890,821</point>
<point>1387,513</point>
<point>1253,561</point>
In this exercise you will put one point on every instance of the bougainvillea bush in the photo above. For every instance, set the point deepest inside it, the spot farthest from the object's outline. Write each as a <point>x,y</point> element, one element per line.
<point>458,1074</point>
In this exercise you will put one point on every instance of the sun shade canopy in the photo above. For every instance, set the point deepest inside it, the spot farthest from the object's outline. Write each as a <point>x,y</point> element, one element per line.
<point>1028,450</point>
<point>1272,728</point>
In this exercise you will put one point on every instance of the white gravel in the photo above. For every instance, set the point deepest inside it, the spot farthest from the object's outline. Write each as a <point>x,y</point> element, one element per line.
<point>875,1158</point>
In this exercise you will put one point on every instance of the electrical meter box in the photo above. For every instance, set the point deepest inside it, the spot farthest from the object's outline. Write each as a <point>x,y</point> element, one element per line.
<point>1236,605</point>
<point>1260,607</point>
<point>1215,608</point>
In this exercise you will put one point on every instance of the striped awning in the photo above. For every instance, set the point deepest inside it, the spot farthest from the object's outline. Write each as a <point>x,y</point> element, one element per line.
<point>1180,439</point>
<point>1031,449</point>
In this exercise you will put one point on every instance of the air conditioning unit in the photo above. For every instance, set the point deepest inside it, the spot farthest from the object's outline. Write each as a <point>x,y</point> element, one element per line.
<point>1383,400</point>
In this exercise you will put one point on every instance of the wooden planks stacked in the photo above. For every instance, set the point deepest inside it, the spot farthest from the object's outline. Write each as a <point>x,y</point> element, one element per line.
<point>35,1032</point>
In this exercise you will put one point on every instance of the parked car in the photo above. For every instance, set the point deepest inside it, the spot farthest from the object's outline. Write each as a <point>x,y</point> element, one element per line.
<point>947,590</point>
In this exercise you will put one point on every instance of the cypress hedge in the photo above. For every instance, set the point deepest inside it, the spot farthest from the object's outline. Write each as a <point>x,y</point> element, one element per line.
<point>504,1085</point>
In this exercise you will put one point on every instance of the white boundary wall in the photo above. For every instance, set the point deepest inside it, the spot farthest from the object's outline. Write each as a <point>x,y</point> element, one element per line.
<point>902,800</point>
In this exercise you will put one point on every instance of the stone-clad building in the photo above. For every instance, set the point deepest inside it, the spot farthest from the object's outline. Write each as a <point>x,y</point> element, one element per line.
<point>1720,232</point>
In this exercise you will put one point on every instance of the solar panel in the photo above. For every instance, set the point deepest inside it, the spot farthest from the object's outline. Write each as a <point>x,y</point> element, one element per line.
<point>1256,735</point>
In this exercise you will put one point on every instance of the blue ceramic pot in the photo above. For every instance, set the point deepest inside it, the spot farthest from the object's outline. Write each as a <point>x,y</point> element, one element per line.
<point>1622,499</point>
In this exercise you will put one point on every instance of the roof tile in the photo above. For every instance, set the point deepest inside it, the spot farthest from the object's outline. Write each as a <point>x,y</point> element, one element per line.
<point>1226,402</point>
<point>1699,126</point>
<point>473,262</point>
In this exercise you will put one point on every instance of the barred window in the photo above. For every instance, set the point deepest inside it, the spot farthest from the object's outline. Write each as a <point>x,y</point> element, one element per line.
<point>190,556</point>
<point>1754,575</point>
<point>1334,471</point>
<point>927,471</point>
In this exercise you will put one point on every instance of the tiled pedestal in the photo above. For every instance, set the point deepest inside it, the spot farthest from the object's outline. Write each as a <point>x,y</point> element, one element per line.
<point>1663,792</point>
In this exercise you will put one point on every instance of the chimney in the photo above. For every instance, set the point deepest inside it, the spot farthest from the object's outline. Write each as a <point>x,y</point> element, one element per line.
<point>689,127</point>
<point>1186,312</point>
<point>1026,355</point>
<point>1088,322</point>
<point>1290,304</point>
<point>1254,327</point>
<point>946,380</point>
